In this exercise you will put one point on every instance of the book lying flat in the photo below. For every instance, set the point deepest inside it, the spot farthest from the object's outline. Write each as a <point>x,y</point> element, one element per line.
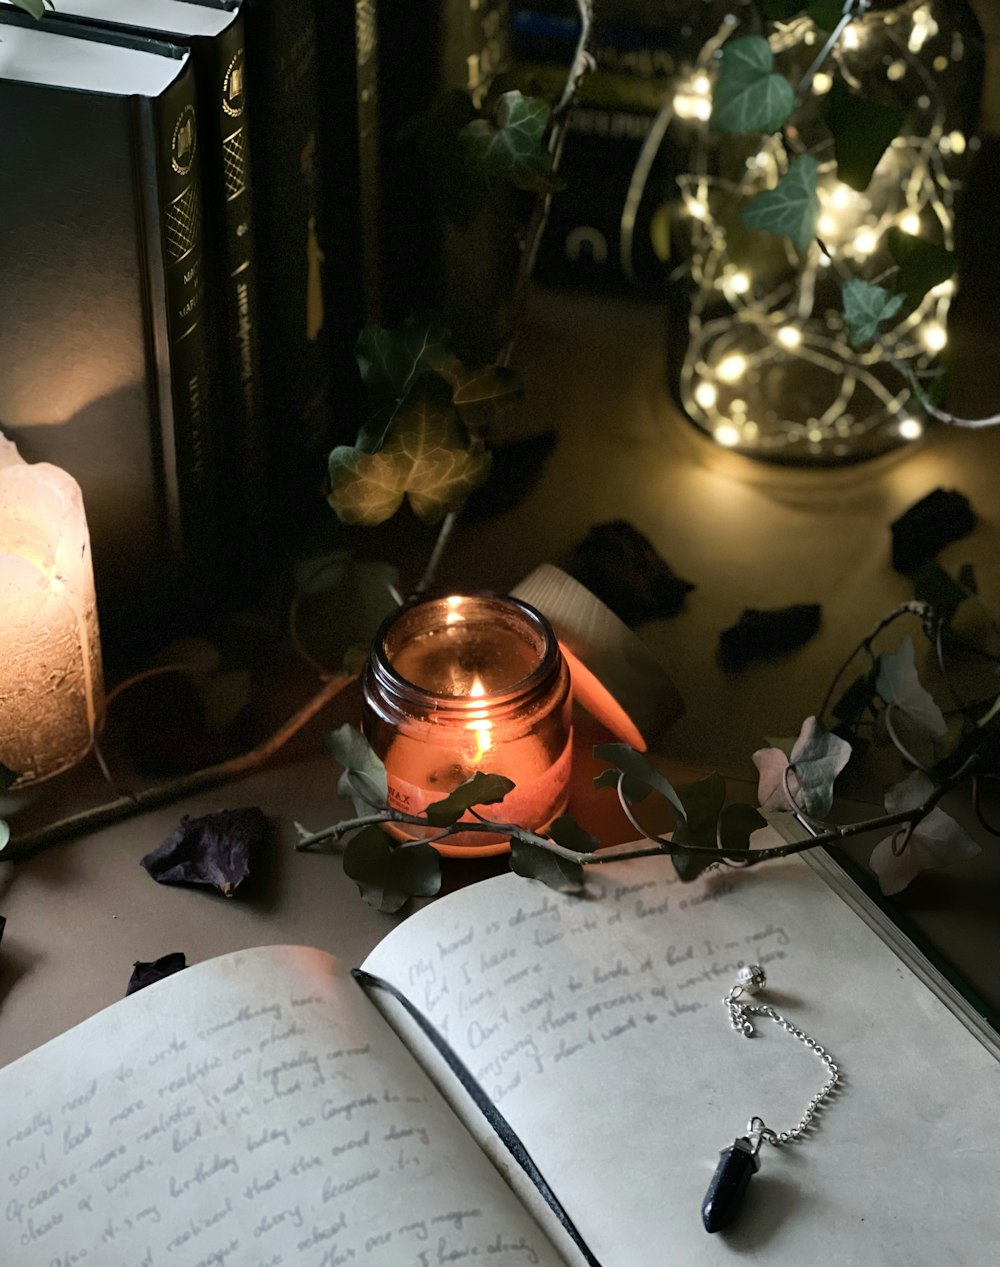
<point>516,1077</point>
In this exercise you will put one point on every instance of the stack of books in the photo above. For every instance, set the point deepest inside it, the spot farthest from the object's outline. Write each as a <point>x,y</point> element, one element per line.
<point>184,274</point>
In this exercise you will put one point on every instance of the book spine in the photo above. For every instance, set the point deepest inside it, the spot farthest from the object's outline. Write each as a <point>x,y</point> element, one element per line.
<point>166,157</point>
<point>230,245</point>
<point>369,164</point>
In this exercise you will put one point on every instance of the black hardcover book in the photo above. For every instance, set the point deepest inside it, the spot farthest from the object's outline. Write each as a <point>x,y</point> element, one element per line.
<point>102,317</point>
<point>600,229</point>
<point>301,58</point>
<point>215,36</point>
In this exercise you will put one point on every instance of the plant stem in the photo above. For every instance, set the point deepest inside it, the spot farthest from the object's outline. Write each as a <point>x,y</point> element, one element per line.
<point>912,608</point>
<point>30,843</point>
<point>434,562</point>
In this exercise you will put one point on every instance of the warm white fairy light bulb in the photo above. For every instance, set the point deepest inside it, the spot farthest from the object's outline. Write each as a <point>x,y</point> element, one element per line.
<point>732,368</point>
<point>790,337</point>
<point>726,434</point>
<point>773,329</point>
<point>706,394</point>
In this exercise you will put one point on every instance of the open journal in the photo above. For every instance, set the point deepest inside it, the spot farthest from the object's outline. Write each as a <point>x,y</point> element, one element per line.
<point>270,1109</point>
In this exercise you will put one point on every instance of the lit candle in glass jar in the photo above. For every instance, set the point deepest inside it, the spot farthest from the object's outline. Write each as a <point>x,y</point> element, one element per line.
<point>51,681</point>
<point>464,684</point>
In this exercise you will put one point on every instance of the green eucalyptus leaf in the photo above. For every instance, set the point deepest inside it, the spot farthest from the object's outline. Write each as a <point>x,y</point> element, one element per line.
<point>481,789</point>
<point>364,780</point>
<point>641,776</point>
<point>736,823</point>
<point>897,683</point>
<point>566,831</point>
<point>791,209</point>
<point>749,96</point>
<point>7,777</point>
<point>389,874</point>
<point>4,834</point>
<point>426,458</point>
<point>922,265</point>
<point>866,306</point>
<point>862,131</point>
<point>537,863</point>
<point>391,360</point>
<point>514,148</point>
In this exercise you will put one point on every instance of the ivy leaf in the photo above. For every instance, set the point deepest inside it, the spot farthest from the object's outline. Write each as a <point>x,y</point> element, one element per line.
<point>817,757</point>
<point>749,96</point>
<point>780,10</point>
<point>391,360</point>
<point>791,208</point>
<point>937,840</point>
<point>702,801</point>
<point>897,683</point>
<point>641,777</point>
<point>736,824</point>
<point>922,265</point>
<point>826,13</point>
<point>364,780</point>
<point>480,394</point>
<point>426,458</point>
<point>388,874</point>
<point>4,834</point>
<point>7,777</point>
<point>855,700</point>
<point>862,131</point>
<point>514,148</point>
<point>531,860</point>
<point>866,306</point>
<point>481,789</point>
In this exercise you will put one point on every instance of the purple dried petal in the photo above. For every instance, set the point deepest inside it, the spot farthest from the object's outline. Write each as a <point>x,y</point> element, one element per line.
<point>928,526</point>
<point>762,635</point>
<point>620,566</point>
<point>214,850</point>
<point>144,974</point>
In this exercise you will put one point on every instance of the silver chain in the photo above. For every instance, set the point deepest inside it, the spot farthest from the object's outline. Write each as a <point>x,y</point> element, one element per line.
<point>752,978</point>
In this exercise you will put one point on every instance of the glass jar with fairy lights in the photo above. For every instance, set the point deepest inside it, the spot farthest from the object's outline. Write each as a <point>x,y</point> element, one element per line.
<point>760,356</point>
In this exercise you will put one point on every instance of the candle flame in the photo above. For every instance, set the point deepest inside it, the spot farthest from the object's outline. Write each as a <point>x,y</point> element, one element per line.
<point>480,722</point>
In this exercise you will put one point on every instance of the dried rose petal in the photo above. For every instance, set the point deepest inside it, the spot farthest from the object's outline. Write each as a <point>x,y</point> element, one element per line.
<point>213,850</point>
<point>144,974</point>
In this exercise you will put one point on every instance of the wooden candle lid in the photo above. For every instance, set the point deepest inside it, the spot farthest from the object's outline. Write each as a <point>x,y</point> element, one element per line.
<point>615,675</point>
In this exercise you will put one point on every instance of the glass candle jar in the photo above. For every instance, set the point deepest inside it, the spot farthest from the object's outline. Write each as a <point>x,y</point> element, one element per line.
<point>463,684</point>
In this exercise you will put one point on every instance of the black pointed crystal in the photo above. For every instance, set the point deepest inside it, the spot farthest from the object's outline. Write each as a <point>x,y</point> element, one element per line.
<point>729,1184</point>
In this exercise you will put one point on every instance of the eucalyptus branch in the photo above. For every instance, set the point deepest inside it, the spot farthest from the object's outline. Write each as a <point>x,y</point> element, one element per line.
<point>128,806</point>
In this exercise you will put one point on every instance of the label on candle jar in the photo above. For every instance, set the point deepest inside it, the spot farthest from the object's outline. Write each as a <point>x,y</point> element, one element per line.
<point>533,803</point>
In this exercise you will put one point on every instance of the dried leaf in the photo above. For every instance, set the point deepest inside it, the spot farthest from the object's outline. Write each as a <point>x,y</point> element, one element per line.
<point>214,851</point>
<point>144,974</point>
<point>817,757</point>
